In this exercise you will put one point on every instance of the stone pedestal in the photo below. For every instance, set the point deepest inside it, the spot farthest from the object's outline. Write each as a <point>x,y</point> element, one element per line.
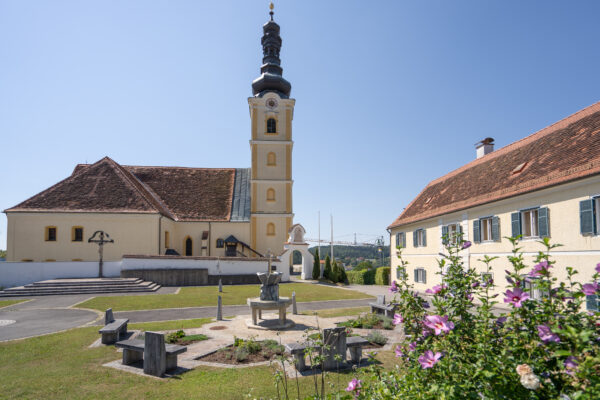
<point>155,356</point>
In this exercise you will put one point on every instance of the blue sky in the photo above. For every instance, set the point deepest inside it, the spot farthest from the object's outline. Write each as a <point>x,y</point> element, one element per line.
<point>389,95</point>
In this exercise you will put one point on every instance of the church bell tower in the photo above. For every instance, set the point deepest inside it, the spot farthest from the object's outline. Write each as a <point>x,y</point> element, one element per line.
<point>271,114</point>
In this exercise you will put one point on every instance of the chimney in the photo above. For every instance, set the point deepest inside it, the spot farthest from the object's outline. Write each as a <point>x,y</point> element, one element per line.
<point>486,146</point>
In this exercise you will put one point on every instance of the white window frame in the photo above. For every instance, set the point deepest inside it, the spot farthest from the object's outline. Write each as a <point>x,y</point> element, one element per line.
<point>596,210</point>
<point>530,214</point>
<point>485,229</point>
<point>421,275</point>
<point>420,234</point>
<point>401,272</point>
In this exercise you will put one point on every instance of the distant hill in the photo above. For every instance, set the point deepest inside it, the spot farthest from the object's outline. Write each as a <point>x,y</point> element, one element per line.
<point>352,255</point>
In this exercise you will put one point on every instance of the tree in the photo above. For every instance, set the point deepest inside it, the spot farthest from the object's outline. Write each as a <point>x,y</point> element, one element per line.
<point>316,272</point>
<point>2,253</point>
<point>343,277</point>
<point>335,274</point>
<point>327,272</point>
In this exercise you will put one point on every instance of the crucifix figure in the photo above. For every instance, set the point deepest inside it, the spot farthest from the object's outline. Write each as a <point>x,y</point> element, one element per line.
<point>100,237</point>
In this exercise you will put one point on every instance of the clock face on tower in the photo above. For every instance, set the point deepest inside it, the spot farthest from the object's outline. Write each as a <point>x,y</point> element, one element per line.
<point>271,103</point>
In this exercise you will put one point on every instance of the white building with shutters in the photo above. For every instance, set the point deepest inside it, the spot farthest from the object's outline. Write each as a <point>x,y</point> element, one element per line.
<point>545,185</point>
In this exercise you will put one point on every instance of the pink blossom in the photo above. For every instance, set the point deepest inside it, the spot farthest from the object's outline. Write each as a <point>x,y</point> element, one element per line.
<point>429,359</point>
<point>412,346</point>
<point>436,289</point>
<point>540,269</point>
<point>399,352</point>
<point>438,324</point>
<point>475,284</point>
<point>398,319</point>
<point>393,288</point>
<point>598,268</point>
<point>546,334</point>
<point>353,385</point>
<point>516,297</point>
<point>590,289</point>
<point>466,245</point>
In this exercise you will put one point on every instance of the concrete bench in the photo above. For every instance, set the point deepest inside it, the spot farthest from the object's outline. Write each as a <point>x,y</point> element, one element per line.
<point>381,308</point>
<point>157,356</point>
<point>113,329</point>
<point>355,345</point>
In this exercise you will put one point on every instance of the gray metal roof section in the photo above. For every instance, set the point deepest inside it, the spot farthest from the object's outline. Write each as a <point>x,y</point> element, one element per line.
<point>240,209</point>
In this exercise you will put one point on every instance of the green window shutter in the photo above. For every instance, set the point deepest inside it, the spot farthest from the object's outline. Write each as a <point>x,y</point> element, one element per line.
<point>415,233</point>
<point>515,220</point>
<point>398,243</point>
<point>444,234</point>
<point>495,229</point>
<point>424,237</point>
<point>477,231</point>
<point>586,216</point>
<point>403,237</point>
<point>416,274</point>
<point>591,302</point>
<point>543,222</point>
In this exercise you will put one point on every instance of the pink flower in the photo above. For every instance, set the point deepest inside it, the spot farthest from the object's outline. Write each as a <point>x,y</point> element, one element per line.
<point>398,319</point>
<point>598,268</point>
<point>353,385</point>
<point>399,352</point>
<point>516,297</point>
<point>590,289</point>
<point>412,346</point>
<point>393,288</point>
<point>540,269</point>
<point>466,245</point>
<point>571,365</point>
<point>429,359</point>
<point>546,334</point>
<point>436,289</point>
<point>438,324</point>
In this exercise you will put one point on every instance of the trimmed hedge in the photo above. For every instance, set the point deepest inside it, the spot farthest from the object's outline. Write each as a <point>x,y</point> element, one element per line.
<point>364,277</point>
<point>382,276</point>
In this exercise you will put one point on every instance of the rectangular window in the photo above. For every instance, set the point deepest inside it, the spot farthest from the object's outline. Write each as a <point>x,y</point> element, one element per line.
<point>531,286</point>
<point>400,273</point>
<point>50,234</point>
<point>77,234</point>
<point>401,239</point>
<point>450,233</point>
<point>419,238</point>
<point>420,275</point>
<point>487,277</point>
<point>591,302</point>
<point>486,229</point>
<point>589,216</point>
<point>531,223</point>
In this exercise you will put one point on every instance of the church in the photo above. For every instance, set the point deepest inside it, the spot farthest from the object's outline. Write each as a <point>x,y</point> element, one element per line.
<point>197,212</point>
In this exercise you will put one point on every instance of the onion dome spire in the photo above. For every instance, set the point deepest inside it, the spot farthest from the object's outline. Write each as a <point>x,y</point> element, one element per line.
<point>271,79</point>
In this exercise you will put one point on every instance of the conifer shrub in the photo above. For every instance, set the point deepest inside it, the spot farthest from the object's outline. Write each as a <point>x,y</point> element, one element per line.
<point>382,276</point>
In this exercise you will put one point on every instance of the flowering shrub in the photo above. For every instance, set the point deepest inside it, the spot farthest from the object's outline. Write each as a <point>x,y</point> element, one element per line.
<point>461,347</point>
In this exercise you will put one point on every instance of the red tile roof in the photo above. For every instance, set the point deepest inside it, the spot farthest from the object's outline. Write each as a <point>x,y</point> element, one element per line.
<point>182,194</point>
<point>562,152</point>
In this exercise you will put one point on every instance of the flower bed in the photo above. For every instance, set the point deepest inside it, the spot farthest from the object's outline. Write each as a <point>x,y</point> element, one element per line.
<point>246,352</point>
<point>369,321</point>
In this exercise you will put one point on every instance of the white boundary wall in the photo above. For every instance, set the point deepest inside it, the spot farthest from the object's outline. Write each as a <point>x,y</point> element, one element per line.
<point>22,273</point>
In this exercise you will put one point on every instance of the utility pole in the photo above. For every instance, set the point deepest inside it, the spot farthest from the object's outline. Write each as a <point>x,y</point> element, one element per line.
<point>331,237</point>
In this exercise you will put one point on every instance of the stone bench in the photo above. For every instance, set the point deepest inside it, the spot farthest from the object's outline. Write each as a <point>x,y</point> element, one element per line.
<point>381,308</point>
<point>353,343</point>
<point>113,329</point>
<point>157,356</point>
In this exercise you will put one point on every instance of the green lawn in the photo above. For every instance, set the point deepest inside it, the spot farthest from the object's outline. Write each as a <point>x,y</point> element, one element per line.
<point>61,366</point>
<point>6,303</point>
<point>338,312</point>
<point>200,296</point>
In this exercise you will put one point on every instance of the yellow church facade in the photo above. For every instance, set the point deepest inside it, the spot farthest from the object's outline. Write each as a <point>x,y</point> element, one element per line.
<point>194,212</point>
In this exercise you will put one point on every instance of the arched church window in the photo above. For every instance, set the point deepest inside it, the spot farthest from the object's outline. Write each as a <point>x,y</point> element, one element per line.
<point>270,194</point>
<point>188,246</point>
<point>271,159</point>
<point>270,229</point>
<point>271,125</point>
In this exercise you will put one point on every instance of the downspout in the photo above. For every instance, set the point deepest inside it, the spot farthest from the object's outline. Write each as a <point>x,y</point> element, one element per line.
<point>209,237</point>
